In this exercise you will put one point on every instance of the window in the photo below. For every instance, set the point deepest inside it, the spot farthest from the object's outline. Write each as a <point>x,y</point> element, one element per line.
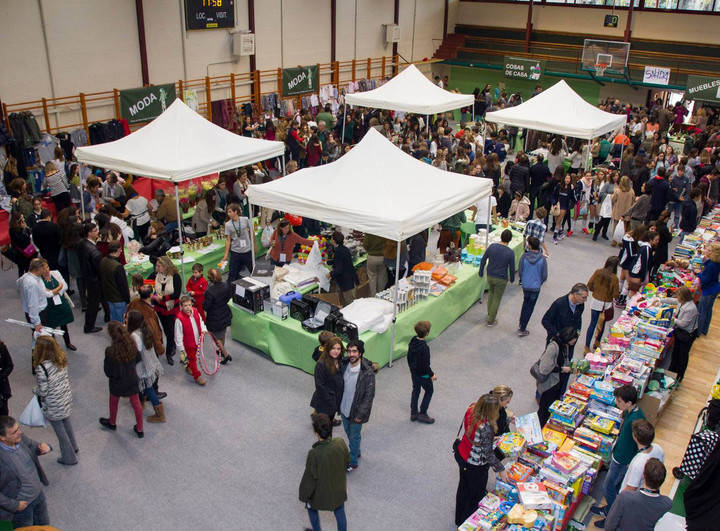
<point>661,4</point>
<point>695,5</point>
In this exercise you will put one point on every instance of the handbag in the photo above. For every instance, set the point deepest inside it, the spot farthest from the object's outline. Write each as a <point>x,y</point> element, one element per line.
<point>555,210</point>
<point>29,251</point>
<point>456,442</point>
<point>609,313</point>
<point>33,415</point>
<point>535,372</point>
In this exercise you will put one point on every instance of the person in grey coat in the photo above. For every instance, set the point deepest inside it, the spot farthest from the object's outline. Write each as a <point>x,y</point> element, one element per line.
<point>22,499</point>
<point>53,390</point>
<point>553,361</point>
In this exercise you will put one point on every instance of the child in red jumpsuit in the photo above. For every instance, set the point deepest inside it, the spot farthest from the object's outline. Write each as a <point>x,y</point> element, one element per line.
<point>188,328</point>
<point>196,288</point>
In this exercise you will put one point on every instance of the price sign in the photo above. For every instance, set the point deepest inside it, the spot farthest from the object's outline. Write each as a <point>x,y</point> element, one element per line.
<point>209,14</point>
<point>656,75</point>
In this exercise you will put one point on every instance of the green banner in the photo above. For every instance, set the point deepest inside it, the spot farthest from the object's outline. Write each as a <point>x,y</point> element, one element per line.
<point>703,88</point>
<point>522,68</point>
<point>300,80</point>
<point>146,103</point>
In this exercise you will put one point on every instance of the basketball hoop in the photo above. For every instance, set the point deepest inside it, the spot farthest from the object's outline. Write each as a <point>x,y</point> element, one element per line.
<point>600,68</point>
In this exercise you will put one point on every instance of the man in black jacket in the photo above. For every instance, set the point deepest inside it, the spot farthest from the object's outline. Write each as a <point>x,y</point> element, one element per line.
<point>688,213</point>
<point>422,375</point>
<point>566,311</point>
<point>343,270</point>
<point>47,238</point>
<point>660,193</point>
<point>520,175</point>
<point>539,175</point>
<point>357,398</point>
<point>90,257</point>
<point>113,281</point>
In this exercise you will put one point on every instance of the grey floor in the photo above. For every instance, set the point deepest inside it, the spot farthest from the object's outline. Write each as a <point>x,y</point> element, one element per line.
<point>232,453</point>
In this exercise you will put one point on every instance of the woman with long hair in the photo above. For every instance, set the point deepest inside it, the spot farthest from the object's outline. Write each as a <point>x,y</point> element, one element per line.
<point>109,232</point>
<point>710,284</point>
<point>202,219</point>
<point>492,168</point>
<point>474,454</point>
<point>684,330</point>
<point>623,197</point>
<point>217,312</point>
<point>148,368</point>
<point>52,386</point>
<point>605,188</point>
<point>660,252</point>
<point>21,241</point>
<point>564,199</point>
<point>165,298</point>
<point>58,314</point>
<point>121,357</point>
<point>605,288</point>
<point>20,197</point>
<point>329,383</point>
<point>554,370</point>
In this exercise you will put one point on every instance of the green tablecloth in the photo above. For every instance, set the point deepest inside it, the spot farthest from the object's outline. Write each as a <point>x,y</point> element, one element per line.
<point>288,344</point>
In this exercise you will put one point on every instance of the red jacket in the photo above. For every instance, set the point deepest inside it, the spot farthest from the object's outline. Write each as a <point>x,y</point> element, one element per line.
<point>277,247</point>
<point>198,287</point>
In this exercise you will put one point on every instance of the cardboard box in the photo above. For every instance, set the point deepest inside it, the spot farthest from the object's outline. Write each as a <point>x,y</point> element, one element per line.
<point>653,406</point>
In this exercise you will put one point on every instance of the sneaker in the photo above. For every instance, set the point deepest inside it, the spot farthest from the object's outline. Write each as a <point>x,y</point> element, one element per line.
<point>200,380</point>
<point>586,231</point>
<point>425,419</point>
<point>570,233</point>
<point>351,467</point>
<point>620,302</point>
<point>413,417</point>
<point>491,323</point>
<point>592,230</point>
<point>600,511</point>
<point>105,423</point>
<point>523,333</point>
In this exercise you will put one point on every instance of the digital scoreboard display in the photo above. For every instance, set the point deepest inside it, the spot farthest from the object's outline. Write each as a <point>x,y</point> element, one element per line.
<point>209,14</point>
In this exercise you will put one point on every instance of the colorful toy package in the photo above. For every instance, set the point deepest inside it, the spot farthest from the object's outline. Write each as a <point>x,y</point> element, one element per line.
<point>512,443</point>
<point>518,473</point>
<point>534,496</point>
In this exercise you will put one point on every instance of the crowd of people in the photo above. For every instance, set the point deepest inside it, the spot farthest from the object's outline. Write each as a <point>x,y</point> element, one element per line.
<point>640,196</point>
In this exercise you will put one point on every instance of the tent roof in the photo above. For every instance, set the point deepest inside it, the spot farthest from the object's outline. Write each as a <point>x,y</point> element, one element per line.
<point>375,188</point>
<point>179,145</point>
<point>410,91</point>
<point>560,110</point>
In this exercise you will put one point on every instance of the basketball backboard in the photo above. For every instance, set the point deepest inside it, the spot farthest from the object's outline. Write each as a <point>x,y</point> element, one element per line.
<point>612,54</point>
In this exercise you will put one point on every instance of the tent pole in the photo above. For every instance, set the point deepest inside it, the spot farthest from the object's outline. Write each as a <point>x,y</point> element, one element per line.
<point>427,123</point>
<point>395,298</point>
<point>82,196</point>
<point>622,148</point>
<point>179,222</point>
<point>526,141</point>
<point>252,236</point>
<point>487,240</point>
<point>588,157</point>
<point>483,140</point>
<point>283,164</point>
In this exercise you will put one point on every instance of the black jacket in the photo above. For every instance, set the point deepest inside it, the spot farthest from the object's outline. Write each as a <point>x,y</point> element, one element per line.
<point>418,358</point>
<point>217,311</point>
<point>661,195</point>
<point>519,178</point>
<point>48,239</point>
<point>328,390</point>
<point>122,375</point>
<point>90,257</point>
<point>343,269</point>
<point>6,367</point>
<point>364,391</point>
<point>688,219</point>
<point>559,316</point>
<point>539,175</point>
<point>113,280</point>
<point>660,253</point>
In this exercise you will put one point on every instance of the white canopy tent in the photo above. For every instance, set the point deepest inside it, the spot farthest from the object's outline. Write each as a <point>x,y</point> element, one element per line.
<point>375,188</point>
<point>177,146</point>
<point>410,91</point>
<point>559,110</point>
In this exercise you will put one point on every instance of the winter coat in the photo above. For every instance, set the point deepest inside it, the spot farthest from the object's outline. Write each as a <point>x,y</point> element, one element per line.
<point>217,311</point>
<point>520,210</point>
<point>519,178</point>
<point>343,270</point>
<point>324,482</point>
<point>418,358</point>
<point>622,201</point>
<point>364,391</point>
<point>551,361</point>
<point>122,375</point>
<point>604,285</point>
<point>533,270</point>
<point>53,388</point>
<point>560,316</point>
<point>328,390</point>
<point>6,367</point>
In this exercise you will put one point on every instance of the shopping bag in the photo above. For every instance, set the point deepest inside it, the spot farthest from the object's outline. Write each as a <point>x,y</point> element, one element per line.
<point>32,415</point>
<point>619,232</point>
<point>265,237</point>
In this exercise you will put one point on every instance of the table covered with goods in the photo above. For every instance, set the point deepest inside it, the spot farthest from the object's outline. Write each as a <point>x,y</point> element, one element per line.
<point>438,291</point>
<point>550,476</point>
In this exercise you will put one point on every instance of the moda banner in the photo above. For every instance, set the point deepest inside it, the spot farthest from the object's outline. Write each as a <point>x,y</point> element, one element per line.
<point>520,68</point>
<point>146,103</point>
<point>300,80</point>
<point>703,88</point>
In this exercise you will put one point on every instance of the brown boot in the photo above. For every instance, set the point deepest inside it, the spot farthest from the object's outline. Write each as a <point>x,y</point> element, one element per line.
<point>159,415</point>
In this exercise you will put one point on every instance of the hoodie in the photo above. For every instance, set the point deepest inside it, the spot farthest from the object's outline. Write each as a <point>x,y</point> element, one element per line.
<point>532,270</point>
<point>419,358</point>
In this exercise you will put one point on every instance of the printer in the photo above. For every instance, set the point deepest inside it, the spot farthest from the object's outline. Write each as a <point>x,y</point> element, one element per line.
<point>249,294</point>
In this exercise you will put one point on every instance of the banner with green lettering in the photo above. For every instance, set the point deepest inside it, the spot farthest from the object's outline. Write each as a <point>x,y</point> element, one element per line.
<point>146,103</point>
<point>522,68</point>
<point>300,80</point>
<point>703,88</point>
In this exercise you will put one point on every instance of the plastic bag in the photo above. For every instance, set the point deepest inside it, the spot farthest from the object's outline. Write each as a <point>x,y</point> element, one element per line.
<point>32,415</point>
<point>619,232</point>
<point>265,237</point>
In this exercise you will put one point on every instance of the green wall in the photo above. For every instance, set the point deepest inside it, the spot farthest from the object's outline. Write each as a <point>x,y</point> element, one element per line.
<point>466,79</point>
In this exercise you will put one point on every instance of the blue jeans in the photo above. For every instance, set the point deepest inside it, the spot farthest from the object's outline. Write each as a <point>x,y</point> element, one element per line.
<point>594,317</point>
<point>340,518</point>
<point>705,309</point>
<point>353,430</point>
<point>35,513</point>
<point>117,311</point>
<point>151,395</point>
<point>613,480</point>
<point>675,209</point>
<point>529,299</point>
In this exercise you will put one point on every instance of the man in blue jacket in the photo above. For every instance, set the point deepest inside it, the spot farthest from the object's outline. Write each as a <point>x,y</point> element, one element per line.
<point>533,272</point>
